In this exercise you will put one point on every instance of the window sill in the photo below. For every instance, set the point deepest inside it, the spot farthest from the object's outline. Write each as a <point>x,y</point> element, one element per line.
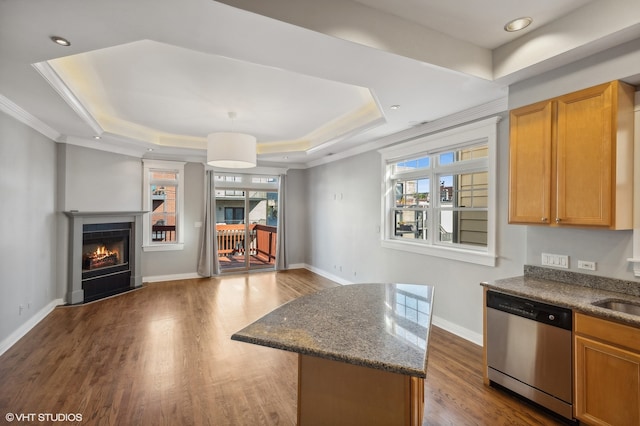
<point>478,258</point>
<point>163,247</point>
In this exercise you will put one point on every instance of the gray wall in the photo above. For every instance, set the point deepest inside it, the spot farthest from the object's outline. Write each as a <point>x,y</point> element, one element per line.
<point>99,181</point>
<point>27,224</point>
<point>609,249</point>
<point>95,180</point>
<point>344,200</point>
<point>165,263</point>
<point>296,216</point>
<point>92,180</point>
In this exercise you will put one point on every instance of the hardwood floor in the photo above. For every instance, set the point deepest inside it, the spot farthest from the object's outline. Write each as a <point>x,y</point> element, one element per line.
<point>162,355</point>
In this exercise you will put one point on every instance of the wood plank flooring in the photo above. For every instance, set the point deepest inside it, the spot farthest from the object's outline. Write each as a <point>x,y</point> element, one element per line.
<point>162,355</point>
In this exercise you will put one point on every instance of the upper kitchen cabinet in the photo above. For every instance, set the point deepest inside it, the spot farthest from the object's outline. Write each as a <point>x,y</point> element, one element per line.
<point>571,159</point>
<point>530,163</point>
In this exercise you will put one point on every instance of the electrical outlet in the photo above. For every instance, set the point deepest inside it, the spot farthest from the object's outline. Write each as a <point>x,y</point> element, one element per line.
<point>586,264</point>
<point>555,260</point>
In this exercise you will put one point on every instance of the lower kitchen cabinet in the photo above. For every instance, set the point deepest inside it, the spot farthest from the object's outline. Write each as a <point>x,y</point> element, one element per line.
<point>332,392</point>
<point>607,372</point>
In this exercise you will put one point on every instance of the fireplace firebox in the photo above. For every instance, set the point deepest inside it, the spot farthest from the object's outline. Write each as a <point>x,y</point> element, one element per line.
<point>104,254</point>
<point>105,259</point>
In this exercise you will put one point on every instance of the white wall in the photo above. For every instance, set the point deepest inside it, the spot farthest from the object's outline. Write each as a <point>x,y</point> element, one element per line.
<point>609,249</point>
<point>27,225</point>
<point>344,240</point>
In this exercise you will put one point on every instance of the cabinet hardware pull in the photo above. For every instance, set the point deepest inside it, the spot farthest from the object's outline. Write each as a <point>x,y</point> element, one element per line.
<point>557,220</point>
<point>544,219</point>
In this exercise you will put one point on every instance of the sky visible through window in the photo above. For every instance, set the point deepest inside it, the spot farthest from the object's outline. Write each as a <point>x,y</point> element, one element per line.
<point>424,163</point>
<point>446,158</point>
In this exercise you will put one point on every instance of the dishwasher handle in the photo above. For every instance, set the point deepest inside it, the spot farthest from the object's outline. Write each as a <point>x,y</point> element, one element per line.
<point>536,311</point>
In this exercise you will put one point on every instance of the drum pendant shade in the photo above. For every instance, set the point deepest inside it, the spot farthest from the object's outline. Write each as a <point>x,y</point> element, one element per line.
<point>231,150</point>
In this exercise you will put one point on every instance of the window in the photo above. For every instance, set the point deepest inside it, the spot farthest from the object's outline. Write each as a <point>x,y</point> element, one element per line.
<point>233,215</point>
<point>164,201</point>
<point>439,194</point>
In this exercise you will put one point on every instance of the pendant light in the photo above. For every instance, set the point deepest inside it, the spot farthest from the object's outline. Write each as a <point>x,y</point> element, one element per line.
<point>230,149</point>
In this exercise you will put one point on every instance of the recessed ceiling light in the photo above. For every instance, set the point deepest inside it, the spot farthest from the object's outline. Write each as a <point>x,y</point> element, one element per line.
<point>395,107</point>
<point>61,41</point>
<point>96,137</point>
<point>150,149</point>
<point>518,24</point>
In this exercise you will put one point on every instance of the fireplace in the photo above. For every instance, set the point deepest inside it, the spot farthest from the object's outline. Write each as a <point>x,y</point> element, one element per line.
<point>105,259</point>
<point>104,254</point>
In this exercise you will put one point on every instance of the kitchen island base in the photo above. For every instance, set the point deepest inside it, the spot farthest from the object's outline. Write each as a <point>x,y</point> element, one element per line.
<point>362,352</point>
<point>333,392</point>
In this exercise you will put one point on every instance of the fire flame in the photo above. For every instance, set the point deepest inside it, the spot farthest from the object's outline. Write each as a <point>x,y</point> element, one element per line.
<point>102,252</point>
<point>101,257</point>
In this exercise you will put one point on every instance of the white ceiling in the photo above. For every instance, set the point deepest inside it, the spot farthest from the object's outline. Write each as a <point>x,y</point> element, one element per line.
<point>309,79</point>
<point>477,22</point>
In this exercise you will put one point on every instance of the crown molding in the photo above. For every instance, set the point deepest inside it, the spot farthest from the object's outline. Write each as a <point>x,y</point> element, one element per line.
<point>496,106</point>
<point>13,110</point>
<point>51,76</point>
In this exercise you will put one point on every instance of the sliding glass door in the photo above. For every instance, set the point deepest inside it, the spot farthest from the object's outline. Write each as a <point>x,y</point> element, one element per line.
<point>246,222</point>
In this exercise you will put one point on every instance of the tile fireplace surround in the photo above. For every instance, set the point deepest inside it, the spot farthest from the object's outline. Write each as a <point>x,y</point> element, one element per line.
<point>77,220</point>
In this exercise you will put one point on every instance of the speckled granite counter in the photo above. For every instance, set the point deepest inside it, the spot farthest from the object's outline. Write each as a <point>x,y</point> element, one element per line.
<point>572,290</point>
<point>381,326</point>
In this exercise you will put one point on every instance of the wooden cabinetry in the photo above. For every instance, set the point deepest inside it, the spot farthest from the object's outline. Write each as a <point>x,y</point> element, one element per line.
<point>333,392</point>
<point>606,372</point>
<point>571,159</point>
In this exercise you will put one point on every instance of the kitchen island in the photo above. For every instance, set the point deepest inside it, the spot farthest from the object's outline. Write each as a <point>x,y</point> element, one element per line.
<point>362,352</point>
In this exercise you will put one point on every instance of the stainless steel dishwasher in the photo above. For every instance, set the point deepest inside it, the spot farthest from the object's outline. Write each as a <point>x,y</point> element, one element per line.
<point>529,350</point>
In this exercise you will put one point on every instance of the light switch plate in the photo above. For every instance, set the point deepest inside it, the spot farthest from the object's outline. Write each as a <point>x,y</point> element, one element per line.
<point>555,260</point>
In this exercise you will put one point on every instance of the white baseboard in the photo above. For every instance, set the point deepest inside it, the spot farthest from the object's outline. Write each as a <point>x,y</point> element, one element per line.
<point>328,275</point>
<point>465,333</point>
<point>453,328</point>
<point>298,266</point>
<point>28,325</point>
<point>173,277</point>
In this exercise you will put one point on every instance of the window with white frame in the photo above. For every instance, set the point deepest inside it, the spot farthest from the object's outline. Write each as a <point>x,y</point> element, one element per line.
<point>439,194</point>
<point>163,194</point>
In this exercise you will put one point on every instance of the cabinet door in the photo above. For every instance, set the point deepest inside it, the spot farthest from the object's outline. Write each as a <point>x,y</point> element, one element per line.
<point>530,163</point>
<point>607,384</point>
<point>333,392</point>
<point>584,157</point>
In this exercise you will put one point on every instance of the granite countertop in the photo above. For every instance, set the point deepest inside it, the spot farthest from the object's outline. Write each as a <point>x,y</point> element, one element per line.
<point>381,326</point>
<point>572,290</point>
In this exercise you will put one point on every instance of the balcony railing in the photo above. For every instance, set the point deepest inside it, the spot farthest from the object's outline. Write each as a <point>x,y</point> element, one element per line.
<point>262,240</point>
<point>163,233</point>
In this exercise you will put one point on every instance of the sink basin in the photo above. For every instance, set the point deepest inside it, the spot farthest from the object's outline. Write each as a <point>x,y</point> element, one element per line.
<point>619,306</point>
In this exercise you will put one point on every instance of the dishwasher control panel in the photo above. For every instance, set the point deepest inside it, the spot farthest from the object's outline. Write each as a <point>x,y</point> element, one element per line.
<point>531,309</point>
